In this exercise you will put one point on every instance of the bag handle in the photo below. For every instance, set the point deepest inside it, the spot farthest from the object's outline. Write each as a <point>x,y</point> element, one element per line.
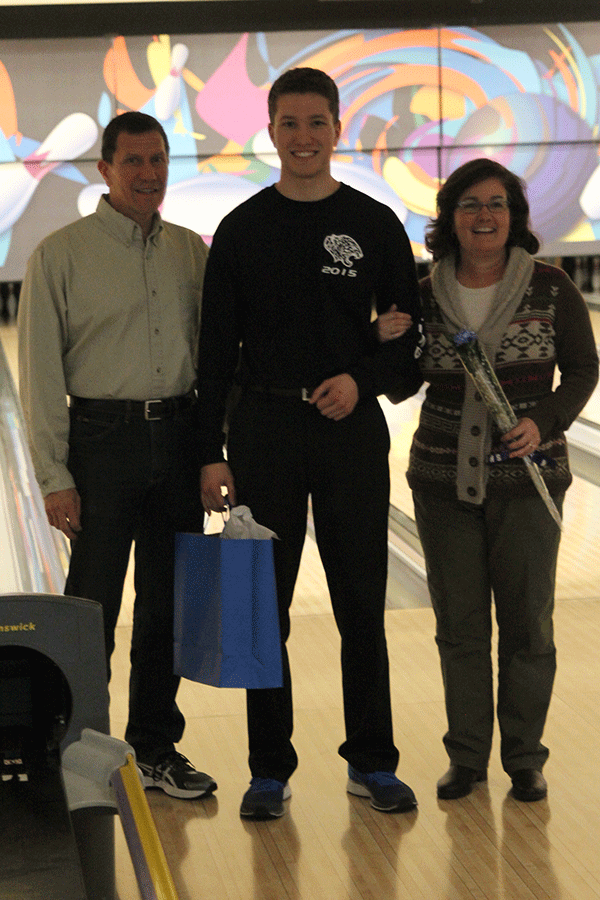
<point>225,515</point>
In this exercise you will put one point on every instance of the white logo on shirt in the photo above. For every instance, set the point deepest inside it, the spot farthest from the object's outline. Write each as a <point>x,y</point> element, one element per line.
<point>343,248</point>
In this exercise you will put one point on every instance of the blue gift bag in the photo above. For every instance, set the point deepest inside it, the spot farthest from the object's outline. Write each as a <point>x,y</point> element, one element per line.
<point>226,630</point>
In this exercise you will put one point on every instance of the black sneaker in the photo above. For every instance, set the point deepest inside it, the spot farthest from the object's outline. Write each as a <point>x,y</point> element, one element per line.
<point>176,776</point>
<point>264,799</point>
<point>387,793</point>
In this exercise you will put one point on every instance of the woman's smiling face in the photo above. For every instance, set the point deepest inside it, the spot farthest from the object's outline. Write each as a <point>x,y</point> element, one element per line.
<point>482,232</point>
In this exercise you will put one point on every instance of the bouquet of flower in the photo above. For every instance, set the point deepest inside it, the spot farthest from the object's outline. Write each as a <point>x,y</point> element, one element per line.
<point>478,366</point>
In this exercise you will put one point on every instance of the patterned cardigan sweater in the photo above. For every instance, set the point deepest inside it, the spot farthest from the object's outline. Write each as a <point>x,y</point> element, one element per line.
<point>539,322</point>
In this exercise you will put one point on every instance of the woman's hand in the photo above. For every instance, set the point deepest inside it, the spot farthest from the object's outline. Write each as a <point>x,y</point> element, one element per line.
<point>523,439</point>
<point>392,324</point>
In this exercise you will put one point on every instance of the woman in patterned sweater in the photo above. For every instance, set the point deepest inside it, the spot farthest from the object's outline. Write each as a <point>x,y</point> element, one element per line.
<point>484,528</point>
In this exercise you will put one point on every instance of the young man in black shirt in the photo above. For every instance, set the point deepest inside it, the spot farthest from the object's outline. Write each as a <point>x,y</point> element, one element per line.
<point>292,278</point>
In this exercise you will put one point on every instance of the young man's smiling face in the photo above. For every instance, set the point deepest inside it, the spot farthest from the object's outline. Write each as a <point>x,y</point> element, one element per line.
<point>137,176</point>
<point>304,134</point>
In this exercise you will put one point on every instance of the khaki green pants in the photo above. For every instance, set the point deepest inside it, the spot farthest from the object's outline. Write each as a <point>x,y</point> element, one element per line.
<point>505,549</point>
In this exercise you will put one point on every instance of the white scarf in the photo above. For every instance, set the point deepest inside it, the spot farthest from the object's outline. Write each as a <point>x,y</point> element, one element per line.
<point>475,435</point>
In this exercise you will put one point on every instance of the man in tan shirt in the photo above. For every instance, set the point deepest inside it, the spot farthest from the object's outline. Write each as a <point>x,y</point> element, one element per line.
<point>108,327</point>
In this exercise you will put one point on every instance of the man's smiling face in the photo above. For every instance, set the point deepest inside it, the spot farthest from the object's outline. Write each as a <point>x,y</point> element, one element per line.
<point>137,176</point>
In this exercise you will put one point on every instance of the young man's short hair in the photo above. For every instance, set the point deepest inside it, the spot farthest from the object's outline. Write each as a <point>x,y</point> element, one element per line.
<point>130,123</point>
<point>305,81</point>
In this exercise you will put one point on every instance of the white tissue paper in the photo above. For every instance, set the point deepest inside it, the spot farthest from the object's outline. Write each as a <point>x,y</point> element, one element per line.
<point>241,525</point>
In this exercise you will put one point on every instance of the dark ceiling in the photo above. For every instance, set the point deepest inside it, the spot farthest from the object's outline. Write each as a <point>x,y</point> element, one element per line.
<point>213,16</point>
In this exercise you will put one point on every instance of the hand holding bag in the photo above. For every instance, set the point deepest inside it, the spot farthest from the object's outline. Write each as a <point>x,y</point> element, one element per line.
<point>226,624</point>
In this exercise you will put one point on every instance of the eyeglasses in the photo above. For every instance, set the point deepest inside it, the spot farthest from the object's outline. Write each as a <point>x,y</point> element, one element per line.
<point>472,207</point>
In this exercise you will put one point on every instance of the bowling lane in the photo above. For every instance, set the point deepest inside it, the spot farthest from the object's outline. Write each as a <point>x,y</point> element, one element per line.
<point>33,556</point>
<point>592,410</point>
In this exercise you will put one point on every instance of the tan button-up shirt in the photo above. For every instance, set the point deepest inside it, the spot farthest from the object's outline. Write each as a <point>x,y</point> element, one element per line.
<point>104,314</point>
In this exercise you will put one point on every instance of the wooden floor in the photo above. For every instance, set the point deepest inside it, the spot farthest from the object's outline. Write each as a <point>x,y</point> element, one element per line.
<point>332,846</point>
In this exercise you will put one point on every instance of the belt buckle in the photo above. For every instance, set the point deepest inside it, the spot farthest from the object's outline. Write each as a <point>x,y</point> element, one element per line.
<point>148,412</point>
<point>305,394</point>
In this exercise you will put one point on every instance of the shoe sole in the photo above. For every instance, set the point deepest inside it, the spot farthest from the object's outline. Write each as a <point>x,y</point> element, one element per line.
<point>178,793</point>
<point>261,814</point>
<point>360,790</point>
<point>528,798</point>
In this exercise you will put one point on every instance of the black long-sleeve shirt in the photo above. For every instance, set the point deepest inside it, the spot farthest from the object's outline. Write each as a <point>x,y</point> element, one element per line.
<point>294,284</point>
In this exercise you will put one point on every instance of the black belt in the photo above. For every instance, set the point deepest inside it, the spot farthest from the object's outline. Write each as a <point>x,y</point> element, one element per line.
<point>151,410</point>
<point>297,393</point>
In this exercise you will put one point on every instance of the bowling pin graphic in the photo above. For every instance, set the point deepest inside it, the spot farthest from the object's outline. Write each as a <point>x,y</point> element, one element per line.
<point>200,203</point>
<point>18,180</point>
<point>197,203</point>
<point>168,92</point>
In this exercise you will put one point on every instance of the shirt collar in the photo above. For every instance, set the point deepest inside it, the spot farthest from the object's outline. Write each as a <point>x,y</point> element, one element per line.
<point>124,228</point>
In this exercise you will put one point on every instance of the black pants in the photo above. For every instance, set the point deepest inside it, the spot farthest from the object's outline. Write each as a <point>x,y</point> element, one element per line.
<point>281,451</point>
<point>139,481</point>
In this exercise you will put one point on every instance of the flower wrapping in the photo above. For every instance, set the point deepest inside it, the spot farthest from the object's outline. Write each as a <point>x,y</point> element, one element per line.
<point>478,366</point>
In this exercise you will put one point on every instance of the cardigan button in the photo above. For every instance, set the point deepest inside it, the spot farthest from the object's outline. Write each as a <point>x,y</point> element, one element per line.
<point>475,430</point>
<point>472,492</point>
<point>473,461</point>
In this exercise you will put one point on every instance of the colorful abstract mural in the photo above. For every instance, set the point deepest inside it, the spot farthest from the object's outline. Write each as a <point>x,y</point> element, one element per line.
<point>415,105</point>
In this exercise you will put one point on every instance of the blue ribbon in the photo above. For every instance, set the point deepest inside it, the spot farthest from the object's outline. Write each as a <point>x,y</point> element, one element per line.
<point>537,456</point>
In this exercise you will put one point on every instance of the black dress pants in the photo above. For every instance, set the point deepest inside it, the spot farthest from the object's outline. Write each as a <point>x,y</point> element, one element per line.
<point>138,480</point>
<point>281,451</point>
